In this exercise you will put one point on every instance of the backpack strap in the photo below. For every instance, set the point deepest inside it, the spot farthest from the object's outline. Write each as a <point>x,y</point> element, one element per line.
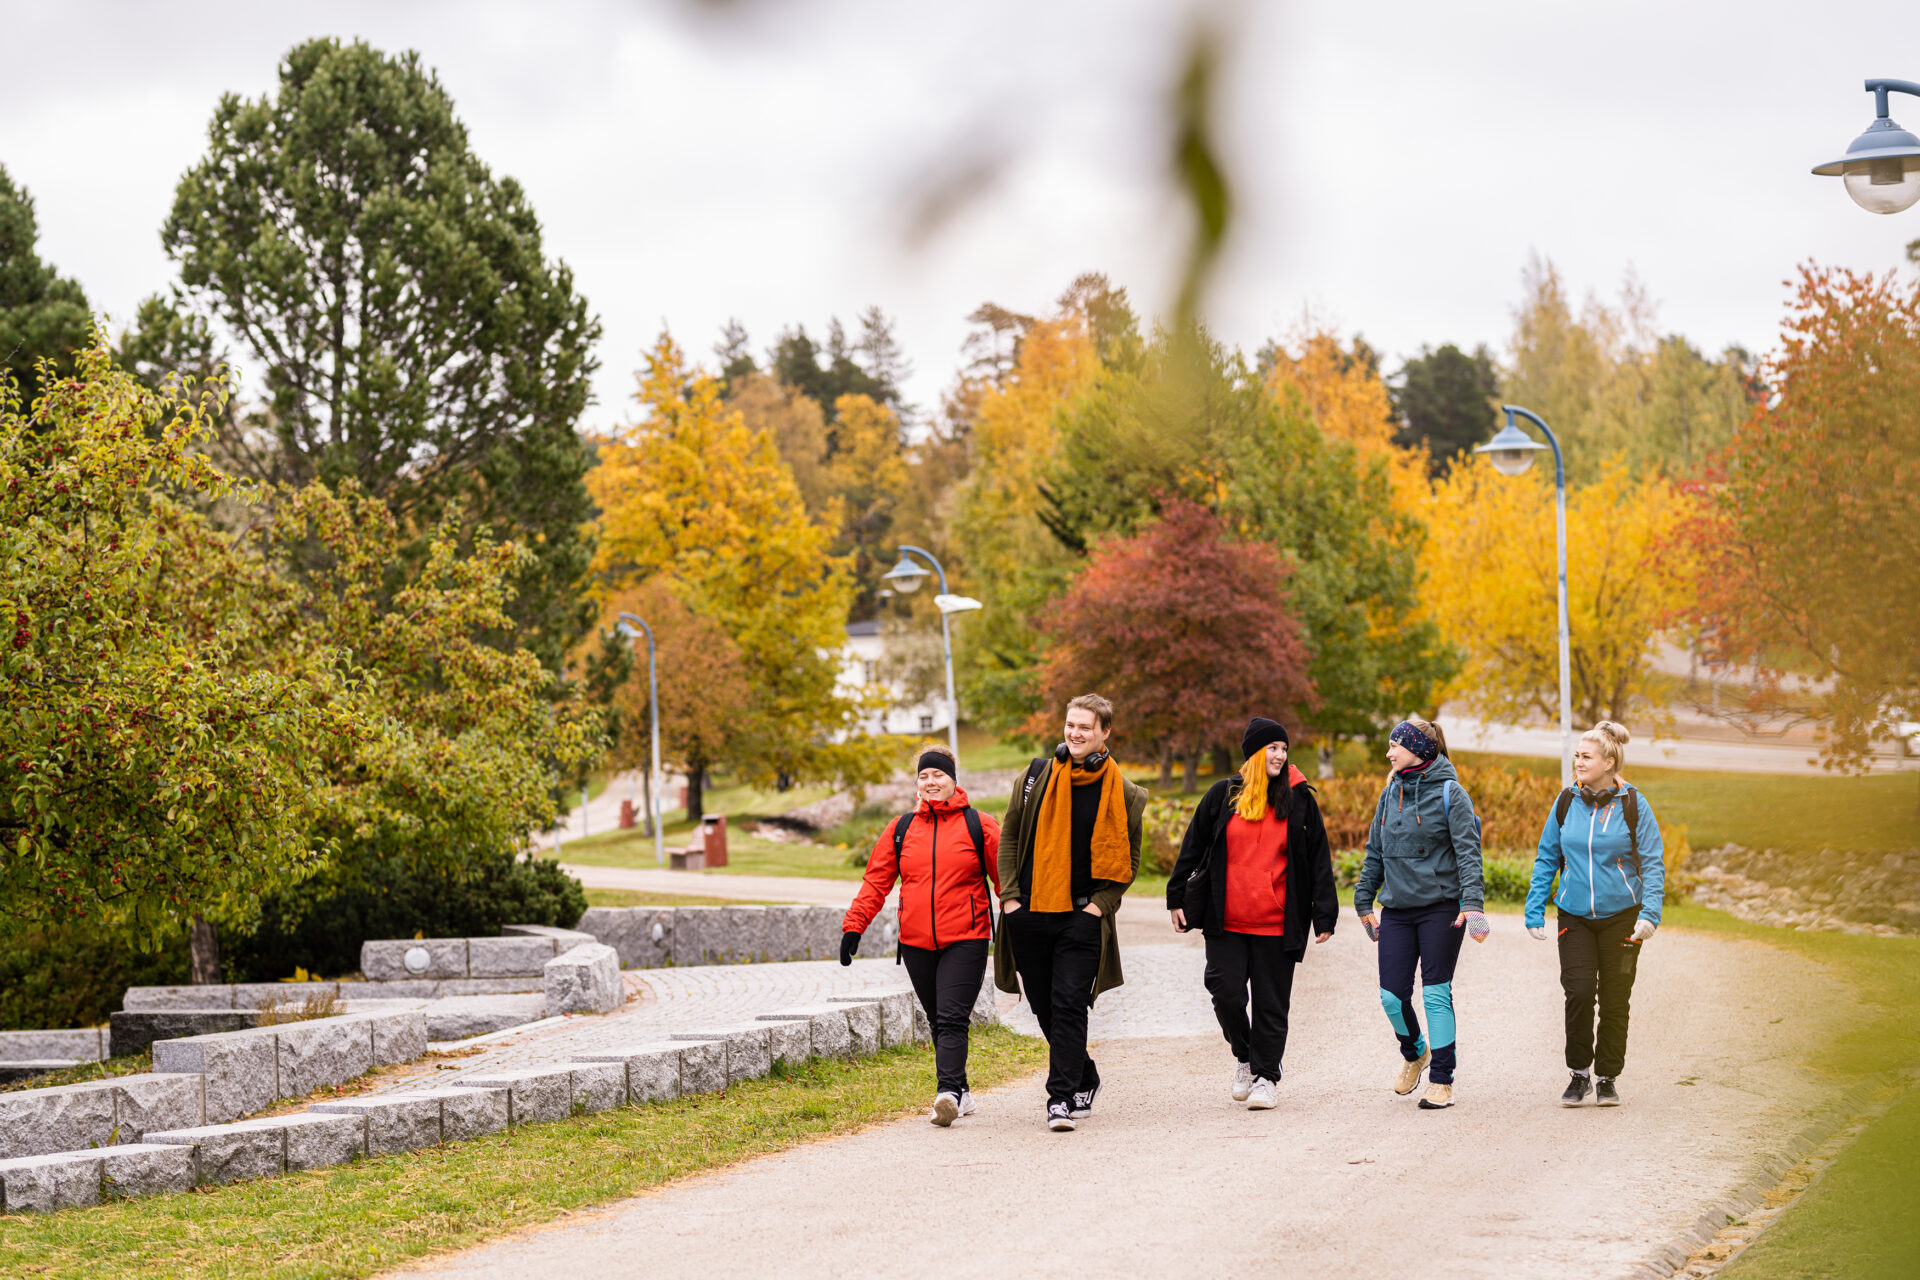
<point>974,829</point>
<point>900,826</point>
<point>1630,807</point>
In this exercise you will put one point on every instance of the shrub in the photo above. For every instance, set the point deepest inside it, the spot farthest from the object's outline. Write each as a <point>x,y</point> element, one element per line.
<point>1512,804</point>
<point>74,974</point>
<point>1503,879</point>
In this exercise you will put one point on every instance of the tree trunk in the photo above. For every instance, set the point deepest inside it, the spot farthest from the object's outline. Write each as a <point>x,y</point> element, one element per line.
<point>1166,766</point>
<point>1192,767</point>
<point>203,949</point>
<point>1222,763</point>
<point>696,801</point>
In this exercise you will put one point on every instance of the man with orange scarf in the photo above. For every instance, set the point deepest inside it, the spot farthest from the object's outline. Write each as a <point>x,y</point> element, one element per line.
<point>1069,848</point>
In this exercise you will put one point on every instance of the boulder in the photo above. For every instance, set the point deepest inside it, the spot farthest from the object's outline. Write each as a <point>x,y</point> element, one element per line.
<point>585,980</point>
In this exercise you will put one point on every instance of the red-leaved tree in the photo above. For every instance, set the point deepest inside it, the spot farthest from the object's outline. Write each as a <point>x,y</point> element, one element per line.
<point>1186,631</point>
<point>1810,532</point>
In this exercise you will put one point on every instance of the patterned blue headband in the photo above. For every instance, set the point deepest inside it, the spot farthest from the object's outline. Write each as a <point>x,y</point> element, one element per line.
<point>1406,734</point>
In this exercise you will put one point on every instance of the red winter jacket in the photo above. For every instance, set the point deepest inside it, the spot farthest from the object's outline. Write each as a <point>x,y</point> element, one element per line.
<point>943,897</point>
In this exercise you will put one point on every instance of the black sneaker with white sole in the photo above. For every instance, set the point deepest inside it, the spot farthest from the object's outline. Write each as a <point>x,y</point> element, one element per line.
<point>1604,1094</point>
<point>1083,1102</point>
<point>1059,1117</point>
<point>1577,1089</point>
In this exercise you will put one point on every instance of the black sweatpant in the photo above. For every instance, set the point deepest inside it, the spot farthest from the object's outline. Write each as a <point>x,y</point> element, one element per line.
<point>948,982</point>
<point>1598,961</point>
<point>1241,962</point>
<point>1058,954</point>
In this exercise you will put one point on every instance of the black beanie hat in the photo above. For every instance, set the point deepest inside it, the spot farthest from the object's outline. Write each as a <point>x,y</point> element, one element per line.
<point>934,758</point>
<point>1260,733</point>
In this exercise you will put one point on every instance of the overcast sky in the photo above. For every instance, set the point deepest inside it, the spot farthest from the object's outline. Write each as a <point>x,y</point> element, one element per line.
<point>1394,162</point>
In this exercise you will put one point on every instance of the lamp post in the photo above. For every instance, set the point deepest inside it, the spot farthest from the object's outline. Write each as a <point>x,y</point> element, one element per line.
<point>631,626</point>
<point>1511,453</point>
<point>1882,165</point>
<point>906,577</point>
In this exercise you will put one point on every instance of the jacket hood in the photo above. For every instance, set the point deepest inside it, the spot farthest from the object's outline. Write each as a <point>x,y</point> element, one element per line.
<point>952,804</point>
<point>1439,769</point>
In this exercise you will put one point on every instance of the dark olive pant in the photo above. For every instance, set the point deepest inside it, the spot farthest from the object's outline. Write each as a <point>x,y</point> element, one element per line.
<point>948,982</point>
<point>1250,969</point>
<point>1058,955</point>
<point>1597,964</point>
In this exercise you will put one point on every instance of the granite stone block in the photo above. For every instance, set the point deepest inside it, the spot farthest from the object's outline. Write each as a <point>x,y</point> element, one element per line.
<point>154,1100</point>
<point>786,933</point>
<point>509,957</point>
<point>877,943</point>
<point>599,1086</point>
<point>231,1152</point>
<point>921,1030</point>
<point>386,959</point>
<point>821,940</point>
<point>493,986</point>
<point>208,996</point>
<point>535,1095</point>
<point>621,929</point>
<point>564,938</point>
<point>696,934</point>
<point>241,1067</point>
<point>82,1045</point>
<point>652,1070</point>
<point>145,1169</point>
<point>864,1027</point>
<point>584,980</point>
<point>45,1183</point>
<point>398,1037</point>
<point>322,1052</point>
<point>703,1066</point>
<point>896,1015</point>
<point>789,1042</point>
<point>67,1117</point>
<point>459,1017</point>
<point>320,1140</point>
<point>135,1030</point>
<point>743,934</point>
<point>472,1112</point>
<point>986,1008</point>
<point>748,1048</point>
<point>280,995</point>
<point>395,1121</point>
<point>395,989</point>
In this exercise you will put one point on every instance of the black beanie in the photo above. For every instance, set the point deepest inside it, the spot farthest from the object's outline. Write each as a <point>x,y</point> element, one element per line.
<point>935,758</point>
<point>1260,733</point>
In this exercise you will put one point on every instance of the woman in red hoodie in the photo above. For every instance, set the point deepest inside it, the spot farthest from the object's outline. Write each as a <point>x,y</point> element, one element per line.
<point>1254,874</point>
<point>945,854</point>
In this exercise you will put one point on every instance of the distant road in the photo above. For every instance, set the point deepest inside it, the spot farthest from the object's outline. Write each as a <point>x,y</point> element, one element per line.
<point>1468,734</point>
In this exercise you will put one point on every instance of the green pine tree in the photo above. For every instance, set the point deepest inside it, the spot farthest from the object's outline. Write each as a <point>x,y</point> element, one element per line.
<point>43,315</point>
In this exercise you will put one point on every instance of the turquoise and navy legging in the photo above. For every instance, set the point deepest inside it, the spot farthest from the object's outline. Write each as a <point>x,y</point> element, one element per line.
<point>1426,935</point>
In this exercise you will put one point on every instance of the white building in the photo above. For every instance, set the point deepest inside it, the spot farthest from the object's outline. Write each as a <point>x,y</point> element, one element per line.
<point>861,665</point>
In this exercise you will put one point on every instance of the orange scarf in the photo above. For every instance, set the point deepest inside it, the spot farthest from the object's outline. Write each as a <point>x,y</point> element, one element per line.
<point>1053,836</point>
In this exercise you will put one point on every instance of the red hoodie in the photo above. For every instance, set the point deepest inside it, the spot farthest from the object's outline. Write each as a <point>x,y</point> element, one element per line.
<point>943,897</point>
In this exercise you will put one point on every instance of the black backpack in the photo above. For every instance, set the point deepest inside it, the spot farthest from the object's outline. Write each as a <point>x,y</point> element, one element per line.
<point>1629,805</point>
<point>974,829</point>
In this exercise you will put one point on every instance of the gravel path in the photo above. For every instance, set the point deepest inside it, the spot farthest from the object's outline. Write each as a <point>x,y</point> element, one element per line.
<point>1171,1178</point>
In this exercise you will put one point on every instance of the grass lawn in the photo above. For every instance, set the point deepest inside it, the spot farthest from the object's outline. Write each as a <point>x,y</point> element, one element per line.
<point>373,1215</point>
<point>746,855</point>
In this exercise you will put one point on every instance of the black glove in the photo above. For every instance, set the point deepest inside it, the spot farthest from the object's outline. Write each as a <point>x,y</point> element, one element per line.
<point>849,943</point>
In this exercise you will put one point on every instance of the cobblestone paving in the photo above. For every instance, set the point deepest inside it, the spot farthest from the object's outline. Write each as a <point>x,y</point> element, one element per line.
<point>672,1000</point>
<point>1163,996</point>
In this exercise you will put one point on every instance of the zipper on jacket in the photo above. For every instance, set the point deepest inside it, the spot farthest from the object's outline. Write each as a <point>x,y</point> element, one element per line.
<point>933,880</point>
<point>1593,891</point>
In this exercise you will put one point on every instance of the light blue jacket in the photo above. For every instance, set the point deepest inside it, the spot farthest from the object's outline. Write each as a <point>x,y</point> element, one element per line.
<point>1592,854</point>
<point>1423,846</point>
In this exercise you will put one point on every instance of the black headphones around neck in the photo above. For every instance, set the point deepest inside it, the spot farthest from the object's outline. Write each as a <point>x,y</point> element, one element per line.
<point>1094,761</point>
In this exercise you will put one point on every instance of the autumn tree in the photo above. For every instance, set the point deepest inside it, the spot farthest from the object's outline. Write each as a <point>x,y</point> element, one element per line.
<point>43,315</point>
<point>1185,630</point>
<point>394,293</point>
<point>797,427</point>
<point>1811,551</point>
<point>1493,574</point>
<point>1445,399</point>
<point>871,365</point>
<point>692,496</point>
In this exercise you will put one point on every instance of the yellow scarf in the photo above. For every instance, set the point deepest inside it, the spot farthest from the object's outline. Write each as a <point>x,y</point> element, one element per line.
<point>1053,836</point>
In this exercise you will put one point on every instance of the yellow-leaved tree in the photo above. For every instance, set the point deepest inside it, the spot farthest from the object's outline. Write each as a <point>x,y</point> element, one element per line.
<point>690,494</point>
<point>1491,586</point>
<point>1349,401</point>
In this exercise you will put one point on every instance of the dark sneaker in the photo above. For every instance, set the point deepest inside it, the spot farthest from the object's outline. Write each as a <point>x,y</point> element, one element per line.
<point>1577,1089</point>
<point>1083,1102</point>
<point>1059,1117</point>
<point>1604,1094</point>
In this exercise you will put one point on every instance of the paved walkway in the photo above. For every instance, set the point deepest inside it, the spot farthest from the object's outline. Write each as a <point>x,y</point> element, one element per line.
<point>1170,1177</point>
<point>1696,750</point>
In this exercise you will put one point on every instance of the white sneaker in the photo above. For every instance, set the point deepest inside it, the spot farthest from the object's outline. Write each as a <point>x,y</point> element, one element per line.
<point>1242,1081</point>
<point>966,1102</point>
<point>1263,1096</point>
<point>946,1107</point>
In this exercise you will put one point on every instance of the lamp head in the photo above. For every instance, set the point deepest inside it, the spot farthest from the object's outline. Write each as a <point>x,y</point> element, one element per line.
<point>1511,452</point>
<point>906,576</point>
<point>1881,168</point>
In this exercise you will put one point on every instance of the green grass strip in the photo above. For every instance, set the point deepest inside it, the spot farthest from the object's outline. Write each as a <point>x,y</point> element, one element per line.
<point>371,1215</point>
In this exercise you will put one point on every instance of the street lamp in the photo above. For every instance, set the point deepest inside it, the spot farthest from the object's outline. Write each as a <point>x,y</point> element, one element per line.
<point>1882,165</point>
<point>631,626</point>
<point>906,578</point>
<point>1511,453</point>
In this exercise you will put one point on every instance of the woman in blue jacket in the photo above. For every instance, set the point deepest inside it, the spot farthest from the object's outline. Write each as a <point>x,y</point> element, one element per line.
<point>1603,841</point>
<point>1423,860</point>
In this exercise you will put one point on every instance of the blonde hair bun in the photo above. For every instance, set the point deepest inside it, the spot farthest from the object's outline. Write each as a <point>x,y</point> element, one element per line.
<point>1618,732</point>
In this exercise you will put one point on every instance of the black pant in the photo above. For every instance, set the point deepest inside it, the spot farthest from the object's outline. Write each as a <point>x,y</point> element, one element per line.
<point>1235,963</point>
<point>948,983</point>
<point>1058,954</point>
<point>1596,959</point>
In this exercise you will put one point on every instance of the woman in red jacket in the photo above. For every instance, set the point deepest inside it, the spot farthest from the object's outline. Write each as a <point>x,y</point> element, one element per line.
<point>945,854</point>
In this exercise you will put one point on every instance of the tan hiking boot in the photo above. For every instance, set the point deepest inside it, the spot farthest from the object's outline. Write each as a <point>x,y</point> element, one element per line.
<point>1438,1097</point>
<point>1409,1078</point>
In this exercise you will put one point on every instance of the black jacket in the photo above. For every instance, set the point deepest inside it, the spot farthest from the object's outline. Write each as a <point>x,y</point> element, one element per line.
<point>1312,897</point>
